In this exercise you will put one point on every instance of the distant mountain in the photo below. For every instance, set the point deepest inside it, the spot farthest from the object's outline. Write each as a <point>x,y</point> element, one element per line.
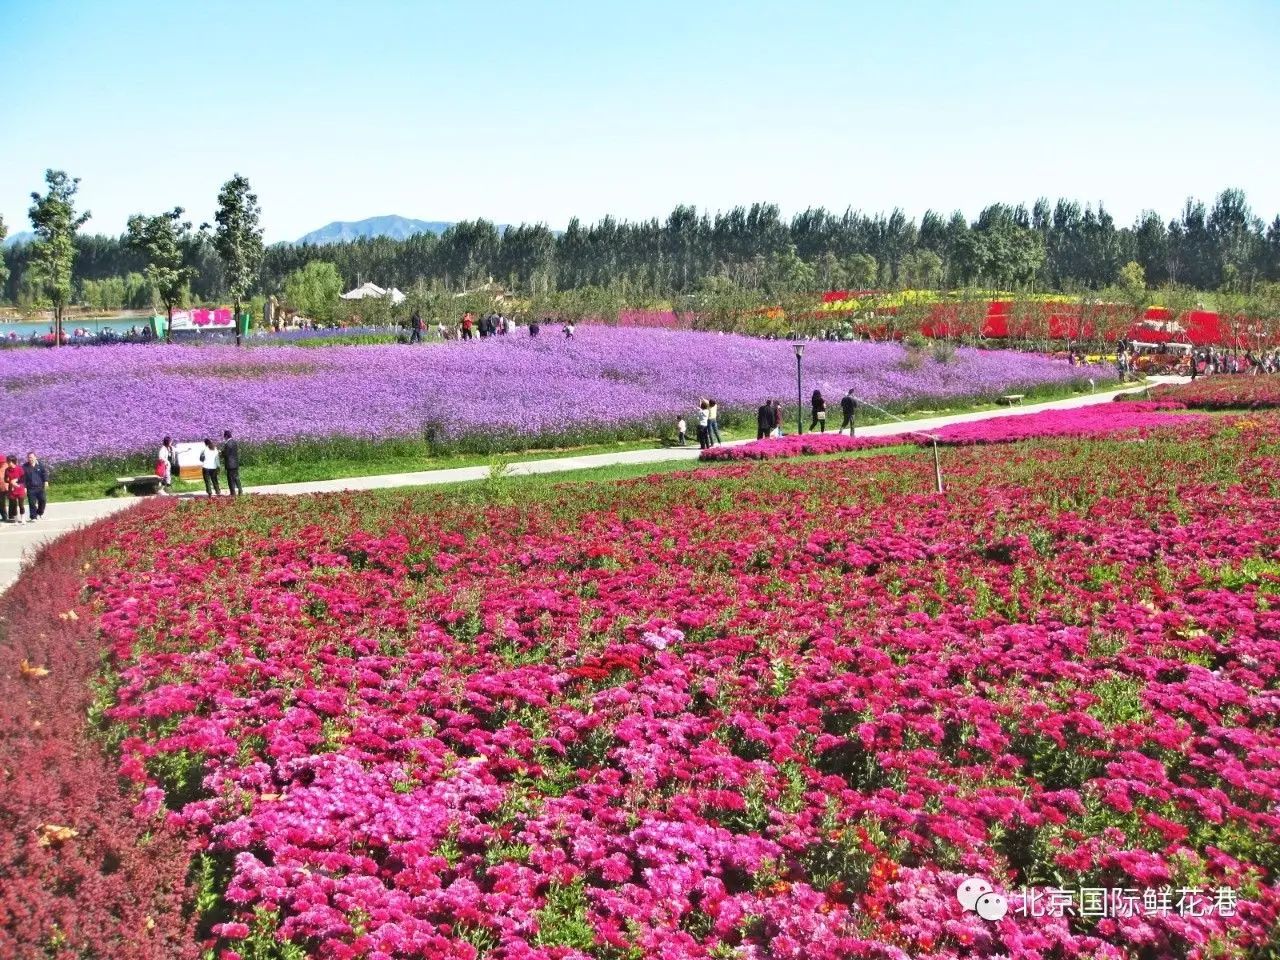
<point>397,228</point>
<point>22,236</point>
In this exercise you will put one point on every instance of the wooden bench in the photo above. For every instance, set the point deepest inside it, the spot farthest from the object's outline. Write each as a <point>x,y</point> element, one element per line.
<point>146,485</point>
<point>1009,399</point>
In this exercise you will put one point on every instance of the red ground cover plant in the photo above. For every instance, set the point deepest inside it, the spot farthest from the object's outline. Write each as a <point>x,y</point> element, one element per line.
<point>798,445</point>
<point>1224,392</point>
<point>1097,421</point>
<point>761,711</point>
<point>80,876</point>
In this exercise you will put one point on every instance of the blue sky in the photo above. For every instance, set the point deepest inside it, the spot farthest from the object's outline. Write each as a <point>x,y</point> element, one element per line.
<point>527,111</point>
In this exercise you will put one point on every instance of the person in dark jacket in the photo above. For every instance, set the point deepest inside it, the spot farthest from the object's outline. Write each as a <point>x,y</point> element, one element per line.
<point>848,410</point>
<point>37,476</point>
<point>818,404</point>
<point>231,457</point>
<point>415,326</point>
<point>764,420</point>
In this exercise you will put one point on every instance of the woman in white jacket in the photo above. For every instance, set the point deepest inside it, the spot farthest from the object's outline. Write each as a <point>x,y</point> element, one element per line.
<point>209,465</point>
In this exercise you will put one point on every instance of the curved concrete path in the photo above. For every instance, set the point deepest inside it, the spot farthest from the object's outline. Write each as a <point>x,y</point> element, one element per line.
<point>18,542</point>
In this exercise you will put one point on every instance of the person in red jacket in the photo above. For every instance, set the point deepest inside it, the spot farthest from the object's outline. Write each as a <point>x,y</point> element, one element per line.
<point>15,490</point>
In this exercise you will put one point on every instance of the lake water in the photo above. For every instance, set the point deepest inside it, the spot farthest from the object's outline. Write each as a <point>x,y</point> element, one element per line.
<point>23,329</point>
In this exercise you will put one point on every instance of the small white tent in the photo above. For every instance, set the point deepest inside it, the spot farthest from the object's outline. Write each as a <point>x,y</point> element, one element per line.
<point>365,290</point>
<point>373,290</point>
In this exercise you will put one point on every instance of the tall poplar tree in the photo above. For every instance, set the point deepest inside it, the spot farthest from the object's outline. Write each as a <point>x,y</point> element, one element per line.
<point>238,239</point>
<point>53,252</point>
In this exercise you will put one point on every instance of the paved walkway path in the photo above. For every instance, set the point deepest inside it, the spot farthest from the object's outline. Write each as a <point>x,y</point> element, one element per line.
<point>18,542</point>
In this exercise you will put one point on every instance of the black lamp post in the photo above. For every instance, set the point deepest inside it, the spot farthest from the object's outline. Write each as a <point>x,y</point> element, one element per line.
<point>799,391</point>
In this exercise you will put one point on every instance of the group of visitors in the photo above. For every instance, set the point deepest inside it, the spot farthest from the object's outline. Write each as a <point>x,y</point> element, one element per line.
<point>1213,360</point>
<point>768,419</point>
<point>818,412</point>
<point>213,456</point>
<point>1195,363</point>
<point>22,487</point>
<point>708,424</point>
<point>469,328</point>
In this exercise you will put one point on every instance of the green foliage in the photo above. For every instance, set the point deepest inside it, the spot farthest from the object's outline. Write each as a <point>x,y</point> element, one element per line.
<point>861,271</point>
<point>161,239</point>
<point>53,252</point>
<point>314,290</point>
<point>1119,701</point>
<point>1133,278</point>
<point>115,293</point>
<point>238,238</point>
<point>1001,251</point>
<point>263,942</point>
<point>563,921</point>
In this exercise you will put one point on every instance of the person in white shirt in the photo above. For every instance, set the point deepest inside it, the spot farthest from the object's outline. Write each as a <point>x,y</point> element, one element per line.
<point>165,459</point>
<point>209,466</point>
<point>704,419</point>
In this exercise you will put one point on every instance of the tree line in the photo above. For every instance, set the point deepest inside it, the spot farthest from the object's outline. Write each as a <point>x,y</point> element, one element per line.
<point>1063,246</point>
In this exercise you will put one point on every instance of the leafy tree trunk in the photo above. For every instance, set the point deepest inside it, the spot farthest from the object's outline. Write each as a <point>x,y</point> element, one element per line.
<point>168,327</point>
<point>235,319</point>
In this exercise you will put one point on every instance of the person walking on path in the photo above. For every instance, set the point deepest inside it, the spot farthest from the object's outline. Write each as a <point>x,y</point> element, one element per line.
<point>764,420</point>
<point>15,489</point>
<point>713,422</point>
<point>703,420</point>
<point>819,406</point>
<point>415,326</point>
<point>37,477</point>
<point>209,467</point>
<point>682,431</point>
<point>848,411</point>
<point>231,459</point>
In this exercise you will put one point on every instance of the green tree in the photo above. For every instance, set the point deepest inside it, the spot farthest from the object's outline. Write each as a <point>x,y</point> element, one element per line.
<point>314,290</point>
<point>1133,277</point>
<point>4,271</point>
<point>861,271</point>
<point>53,252</point>
<point>162,239</point>
<point>238,239</point>
<point>720,304</point>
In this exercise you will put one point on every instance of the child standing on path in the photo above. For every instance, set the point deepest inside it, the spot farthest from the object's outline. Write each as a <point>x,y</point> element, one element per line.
<point>682,430</point>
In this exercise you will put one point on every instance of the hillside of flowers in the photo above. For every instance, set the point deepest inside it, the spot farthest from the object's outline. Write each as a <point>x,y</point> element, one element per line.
<point>508,392</point>
<point>1137,417</point>
<point>1227,392</point>
<point>760,710</point>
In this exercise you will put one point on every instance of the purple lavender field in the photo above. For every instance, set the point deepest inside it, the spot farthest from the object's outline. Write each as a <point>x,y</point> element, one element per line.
<point>81,404</point>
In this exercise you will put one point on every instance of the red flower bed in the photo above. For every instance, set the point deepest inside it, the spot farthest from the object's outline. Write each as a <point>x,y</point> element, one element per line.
<point>798,445</point>
<point>1095,421</point>
<point>79,876</point>
<point>1224,392</point>
<point>756,713</point>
